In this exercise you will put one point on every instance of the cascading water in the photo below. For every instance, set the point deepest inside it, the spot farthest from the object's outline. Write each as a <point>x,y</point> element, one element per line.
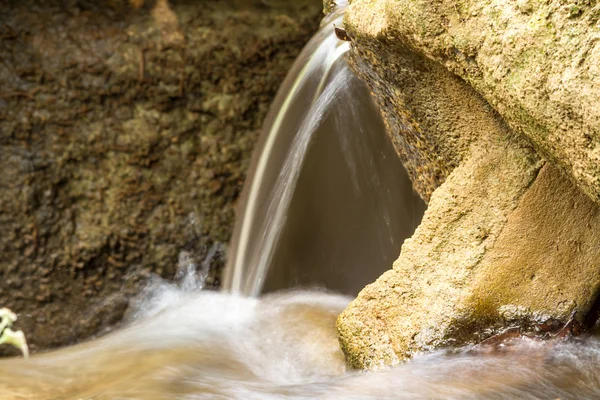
<point>185,344</point>
<point>327,201</point>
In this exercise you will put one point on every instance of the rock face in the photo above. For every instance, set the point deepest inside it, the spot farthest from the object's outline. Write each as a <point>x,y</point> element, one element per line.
<point>433,116</point>
<point>536,63</point>
<point>491,108</point>
<point>500,244</point>
<point>124,139</point>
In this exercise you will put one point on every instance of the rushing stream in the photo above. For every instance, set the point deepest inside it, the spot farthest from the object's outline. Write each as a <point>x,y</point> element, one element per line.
<point>327,204</point>
<point>185,344</point>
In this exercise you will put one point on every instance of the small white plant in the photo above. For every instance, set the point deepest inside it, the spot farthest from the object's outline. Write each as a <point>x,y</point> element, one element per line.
<point>8,336</point>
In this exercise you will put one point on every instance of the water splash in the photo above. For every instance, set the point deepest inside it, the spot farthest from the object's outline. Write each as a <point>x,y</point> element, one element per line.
<point>212,345</point>
<point>159,295</point>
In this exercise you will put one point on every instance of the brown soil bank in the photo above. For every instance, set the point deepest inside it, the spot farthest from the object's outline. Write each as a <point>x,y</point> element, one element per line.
<point>124,138</point>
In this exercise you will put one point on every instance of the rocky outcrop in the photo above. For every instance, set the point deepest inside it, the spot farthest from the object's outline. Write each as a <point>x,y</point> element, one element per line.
<point>500,245</point>
<point>432,115</point>
<point>124,139</point>
<point>490,107</point>
<point>536,63</point>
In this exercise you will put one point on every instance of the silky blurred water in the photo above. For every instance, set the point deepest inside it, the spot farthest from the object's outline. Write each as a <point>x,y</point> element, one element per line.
<point>185,344</point>
<point>334,217</point>
<point>327,201</point>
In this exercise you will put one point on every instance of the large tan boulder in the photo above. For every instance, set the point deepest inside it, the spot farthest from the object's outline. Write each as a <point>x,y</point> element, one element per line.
<point>536,63</point>
<point>492,108</point>
<point>501,244</point>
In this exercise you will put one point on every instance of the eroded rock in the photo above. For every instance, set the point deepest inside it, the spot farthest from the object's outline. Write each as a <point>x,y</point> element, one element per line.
<point>477,95</point>
<point>536,63</point>
<point>416,305</point>
<point>500,244</point>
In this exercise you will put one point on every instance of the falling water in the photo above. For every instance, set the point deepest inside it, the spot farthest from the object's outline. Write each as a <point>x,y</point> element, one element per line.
<point>323,137</point>
<point>327,202</point>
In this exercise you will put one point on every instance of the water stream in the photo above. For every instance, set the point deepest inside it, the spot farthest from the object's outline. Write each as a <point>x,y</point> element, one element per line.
<point>186,344</point>
<point>327,205</point>
<point>327,202</point>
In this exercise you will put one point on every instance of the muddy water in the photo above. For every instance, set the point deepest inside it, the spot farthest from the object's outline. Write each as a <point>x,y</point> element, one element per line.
<point>184,344</point>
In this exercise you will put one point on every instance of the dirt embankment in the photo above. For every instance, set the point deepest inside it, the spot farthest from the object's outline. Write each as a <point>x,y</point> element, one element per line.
<point>124,138</point>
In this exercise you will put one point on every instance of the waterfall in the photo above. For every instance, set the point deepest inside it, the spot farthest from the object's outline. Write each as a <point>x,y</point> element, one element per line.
<point>283,235</point>
<point>326,202</point>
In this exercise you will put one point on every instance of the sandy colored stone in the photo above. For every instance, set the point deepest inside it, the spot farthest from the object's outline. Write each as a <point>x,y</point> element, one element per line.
<point>411,307</point>
<point>499,244</point>
<point>432,115</point>
<point>547,256</point>
<point>536,63</point>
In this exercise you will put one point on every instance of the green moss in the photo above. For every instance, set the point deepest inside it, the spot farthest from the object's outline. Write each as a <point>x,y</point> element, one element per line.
<point>527,123</point>
<point>575,11</point>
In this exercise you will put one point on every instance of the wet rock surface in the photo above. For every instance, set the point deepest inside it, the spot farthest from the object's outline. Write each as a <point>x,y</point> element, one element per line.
<point>502,244</point>
<point>420,304</point>
<point>124,138</point>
